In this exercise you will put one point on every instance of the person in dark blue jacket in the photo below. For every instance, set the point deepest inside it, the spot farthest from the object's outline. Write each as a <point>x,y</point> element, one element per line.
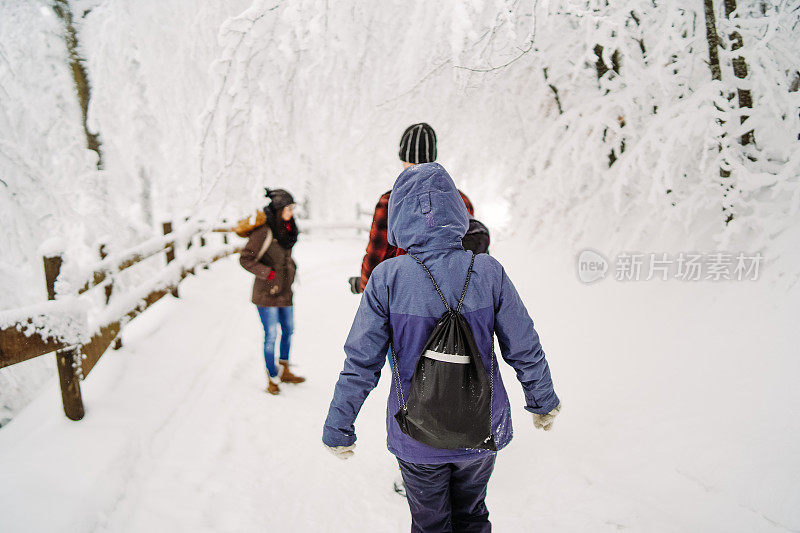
<point>427,217</point>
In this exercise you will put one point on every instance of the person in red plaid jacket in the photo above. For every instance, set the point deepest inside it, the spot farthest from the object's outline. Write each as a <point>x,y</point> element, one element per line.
<point>417,145</point>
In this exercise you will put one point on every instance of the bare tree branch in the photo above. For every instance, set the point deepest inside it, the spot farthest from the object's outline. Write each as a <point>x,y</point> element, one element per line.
<point>517,58</point>
<point>530,42</point>
<point>416,85</point>
<point>713,40</point>
<point>501,67</point>
<point>222,87</point>
<point>64,12</point>
<point>555,92</point>
<point>739,70</point>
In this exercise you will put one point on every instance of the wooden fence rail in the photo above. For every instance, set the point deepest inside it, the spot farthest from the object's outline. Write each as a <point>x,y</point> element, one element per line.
<point>76,361</point>
<point>16,347</point>
<point>100,276</point>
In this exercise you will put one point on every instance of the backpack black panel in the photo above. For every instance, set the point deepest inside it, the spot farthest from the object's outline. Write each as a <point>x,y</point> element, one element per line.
<point>449,403</point>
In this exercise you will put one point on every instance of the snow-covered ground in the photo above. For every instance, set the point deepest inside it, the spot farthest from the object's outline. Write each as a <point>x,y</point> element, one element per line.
<point>679,414</point>
<point>567,123</point>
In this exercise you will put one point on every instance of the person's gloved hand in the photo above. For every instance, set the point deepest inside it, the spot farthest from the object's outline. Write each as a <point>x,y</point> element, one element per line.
<point>355,284</point>
<point>342,452</point>
<point>275,288</point>
<point>545,422</point>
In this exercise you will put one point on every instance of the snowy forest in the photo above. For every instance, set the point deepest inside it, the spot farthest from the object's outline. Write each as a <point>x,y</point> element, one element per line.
<point>627,127</point>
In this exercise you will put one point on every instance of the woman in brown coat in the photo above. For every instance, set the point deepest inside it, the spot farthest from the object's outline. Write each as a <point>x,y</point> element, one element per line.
<point>268,255</point>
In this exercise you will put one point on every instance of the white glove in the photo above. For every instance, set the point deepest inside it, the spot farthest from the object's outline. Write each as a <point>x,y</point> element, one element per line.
<point>545,422</point>
<point>342,452</point>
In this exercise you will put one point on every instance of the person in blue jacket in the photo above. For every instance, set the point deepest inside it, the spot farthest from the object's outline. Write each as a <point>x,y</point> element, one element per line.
<point>445,488</point>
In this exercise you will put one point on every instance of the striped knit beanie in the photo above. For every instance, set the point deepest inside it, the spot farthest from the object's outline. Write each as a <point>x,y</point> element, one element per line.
<point>418,144</point>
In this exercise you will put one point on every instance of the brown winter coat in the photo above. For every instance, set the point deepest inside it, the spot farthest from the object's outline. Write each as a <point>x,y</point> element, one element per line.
<point>267,292</point>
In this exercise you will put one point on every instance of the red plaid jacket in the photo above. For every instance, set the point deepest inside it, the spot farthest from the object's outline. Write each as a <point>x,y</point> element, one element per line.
<point>378,247</point>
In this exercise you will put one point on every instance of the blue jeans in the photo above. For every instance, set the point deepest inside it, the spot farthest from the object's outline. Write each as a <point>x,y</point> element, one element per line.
<point>449,496</point>
<point>270,318</point>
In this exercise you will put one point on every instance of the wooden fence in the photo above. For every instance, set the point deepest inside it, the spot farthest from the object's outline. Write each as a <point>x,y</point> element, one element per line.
<point>76,361</point>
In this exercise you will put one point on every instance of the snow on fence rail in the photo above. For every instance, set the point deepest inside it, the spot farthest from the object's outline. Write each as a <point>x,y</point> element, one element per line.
<point>62,325</point>
<point>110,265</point>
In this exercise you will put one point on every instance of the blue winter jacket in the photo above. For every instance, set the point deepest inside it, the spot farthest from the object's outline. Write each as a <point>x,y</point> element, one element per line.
<point>427,217</point>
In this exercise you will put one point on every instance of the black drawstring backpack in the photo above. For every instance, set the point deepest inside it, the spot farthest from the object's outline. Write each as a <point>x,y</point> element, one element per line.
<point>450,402</point>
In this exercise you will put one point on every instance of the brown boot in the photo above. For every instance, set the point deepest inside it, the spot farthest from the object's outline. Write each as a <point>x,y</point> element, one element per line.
<point>272,387</point>
<point>286,374</point>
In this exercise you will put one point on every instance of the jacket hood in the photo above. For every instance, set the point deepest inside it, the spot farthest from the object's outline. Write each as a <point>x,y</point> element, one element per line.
<point>426,211</point>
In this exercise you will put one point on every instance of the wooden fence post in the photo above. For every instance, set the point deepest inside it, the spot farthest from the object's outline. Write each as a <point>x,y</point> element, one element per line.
<point>189,244</point>
<point>65,359</point>
<point>109,289</point>
<point>110,286</point>
<point>202,244</point>
<point>167,226</point>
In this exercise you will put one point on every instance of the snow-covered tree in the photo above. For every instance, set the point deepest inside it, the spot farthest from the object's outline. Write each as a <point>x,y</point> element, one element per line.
<point>577,117</point>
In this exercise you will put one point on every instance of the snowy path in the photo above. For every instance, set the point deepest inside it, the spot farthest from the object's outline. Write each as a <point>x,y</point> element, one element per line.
<point>664,427</point>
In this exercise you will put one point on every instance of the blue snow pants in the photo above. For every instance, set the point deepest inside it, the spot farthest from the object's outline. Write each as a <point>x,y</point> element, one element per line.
<point>270,318</point>
<point>449,496</point>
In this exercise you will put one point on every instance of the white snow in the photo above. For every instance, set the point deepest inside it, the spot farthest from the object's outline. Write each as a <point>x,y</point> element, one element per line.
<point>679,403</point>
<point>679,397</point>
<point>61,319</point>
